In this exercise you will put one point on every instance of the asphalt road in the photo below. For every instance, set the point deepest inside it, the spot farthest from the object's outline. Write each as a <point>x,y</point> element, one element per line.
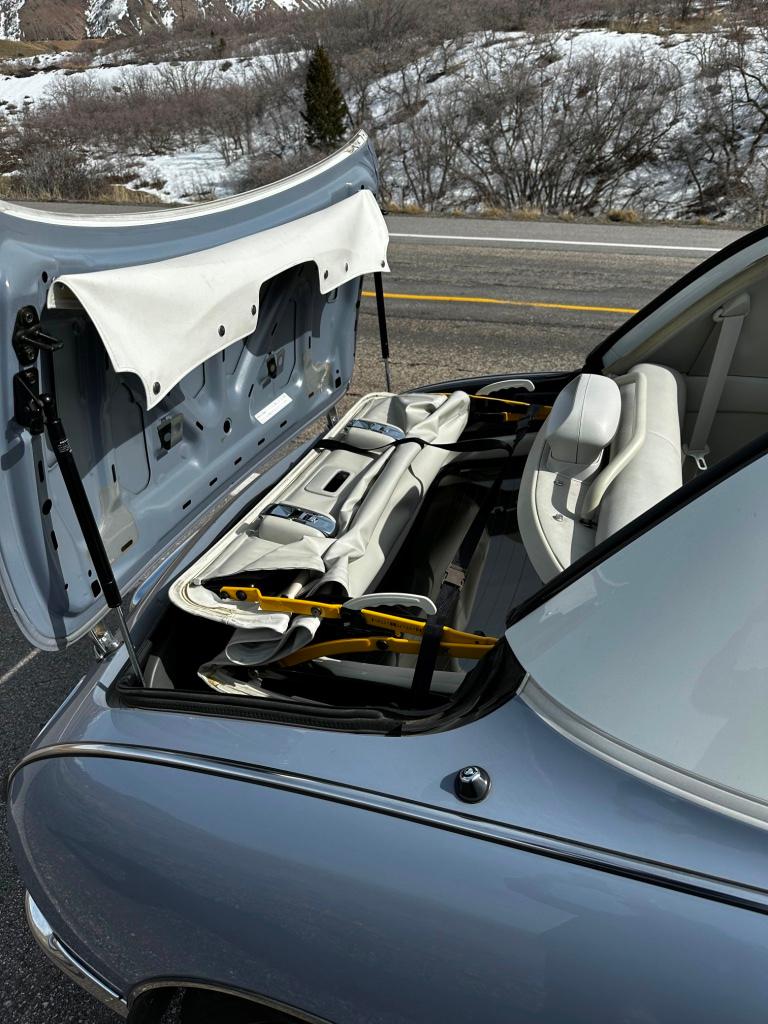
<point>534,272</point>
<point>606,267</point>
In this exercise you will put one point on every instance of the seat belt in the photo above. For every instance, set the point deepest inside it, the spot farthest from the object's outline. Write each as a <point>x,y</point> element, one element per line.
<point>731,317</point>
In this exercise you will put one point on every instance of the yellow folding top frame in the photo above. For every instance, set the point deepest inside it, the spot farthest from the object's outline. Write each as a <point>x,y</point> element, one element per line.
<point>453,642</point>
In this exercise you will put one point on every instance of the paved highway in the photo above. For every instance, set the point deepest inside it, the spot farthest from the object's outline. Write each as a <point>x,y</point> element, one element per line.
<point>586,276</point>
<point>467,296</point>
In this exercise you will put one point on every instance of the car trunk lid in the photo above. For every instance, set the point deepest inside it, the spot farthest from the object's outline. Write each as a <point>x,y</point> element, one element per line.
<point>181,348</point>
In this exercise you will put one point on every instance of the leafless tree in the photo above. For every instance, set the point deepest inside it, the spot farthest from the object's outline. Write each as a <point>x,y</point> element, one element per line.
<point>46,166</point>
<point>561,135</point>
<point>725,144</point>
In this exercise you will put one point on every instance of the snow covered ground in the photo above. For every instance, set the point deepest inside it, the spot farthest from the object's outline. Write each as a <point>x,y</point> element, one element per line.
<point>186,173</point>
<point>666,187</point>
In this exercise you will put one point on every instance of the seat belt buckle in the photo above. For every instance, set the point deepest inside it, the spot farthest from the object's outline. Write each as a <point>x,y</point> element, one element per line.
<point>699,457</point>
<point>455,575</point>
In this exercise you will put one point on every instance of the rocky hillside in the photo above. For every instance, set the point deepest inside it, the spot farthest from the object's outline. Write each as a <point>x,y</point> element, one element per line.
<point>79,19</point>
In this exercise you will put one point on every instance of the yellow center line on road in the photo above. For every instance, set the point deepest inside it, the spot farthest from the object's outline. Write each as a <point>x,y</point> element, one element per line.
<point>501,302</point>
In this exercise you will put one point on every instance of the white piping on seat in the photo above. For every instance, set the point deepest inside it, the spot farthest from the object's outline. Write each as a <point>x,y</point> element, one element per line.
<point>607,475</point>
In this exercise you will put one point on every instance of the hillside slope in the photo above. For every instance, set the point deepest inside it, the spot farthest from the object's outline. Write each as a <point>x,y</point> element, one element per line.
<point>580,123</point>
<point>79,19</point>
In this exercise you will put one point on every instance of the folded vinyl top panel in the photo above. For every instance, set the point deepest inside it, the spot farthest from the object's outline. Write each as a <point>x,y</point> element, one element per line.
<point>337,518</point>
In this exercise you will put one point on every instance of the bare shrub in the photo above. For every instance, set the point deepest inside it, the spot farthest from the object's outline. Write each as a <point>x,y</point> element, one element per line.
<point>265,169</point>
<point>425,125</point>
<point>563,136</point>
<point>280,130</point>
<point>252,108</point>
<point>44,167</point>
<point>133,114</point>
<point>725,147</point>
<point>256,110</point>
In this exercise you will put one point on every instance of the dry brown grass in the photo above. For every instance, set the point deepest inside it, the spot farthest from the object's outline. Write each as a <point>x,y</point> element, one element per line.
<point>121,194</point>
<point>413,209</point>
<point>117,195</point>
<point>13,48</point>
<point>624,216</point>
<point>503,213</point>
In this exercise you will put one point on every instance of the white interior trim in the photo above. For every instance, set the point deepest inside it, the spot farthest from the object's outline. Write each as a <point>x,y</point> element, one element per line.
<point>161,320</point>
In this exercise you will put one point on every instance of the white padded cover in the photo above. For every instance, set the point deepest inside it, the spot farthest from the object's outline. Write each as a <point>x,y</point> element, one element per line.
<point>656,469</point>
<point>161,320</point>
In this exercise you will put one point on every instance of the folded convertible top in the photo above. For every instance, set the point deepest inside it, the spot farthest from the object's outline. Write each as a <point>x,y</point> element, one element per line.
<point>337,519</point>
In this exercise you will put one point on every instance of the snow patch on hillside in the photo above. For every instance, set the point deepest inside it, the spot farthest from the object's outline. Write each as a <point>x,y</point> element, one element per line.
<point>103,16</point>
<point>424,90</point>
<point>166,16</point>
<point>10,23</point>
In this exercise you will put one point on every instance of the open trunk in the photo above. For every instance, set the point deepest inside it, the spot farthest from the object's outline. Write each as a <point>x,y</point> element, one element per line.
<point>214,654</point>
<point>158,363</point>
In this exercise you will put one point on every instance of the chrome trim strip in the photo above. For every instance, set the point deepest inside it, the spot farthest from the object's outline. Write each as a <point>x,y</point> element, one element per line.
<point>259,1000</point>
<point>721,890</point>
<point>147,584</point>
<point>685,785</point>
<point>67,962</point>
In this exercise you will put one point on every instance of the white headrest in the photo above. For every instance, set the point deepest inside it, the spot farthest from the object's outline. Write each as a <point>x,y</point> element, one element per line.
<point>584,420</point>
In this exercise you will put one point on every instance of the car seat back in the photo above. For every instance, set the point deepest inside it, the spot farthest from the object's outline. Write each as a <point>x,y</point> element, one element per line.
<point>609,450</point>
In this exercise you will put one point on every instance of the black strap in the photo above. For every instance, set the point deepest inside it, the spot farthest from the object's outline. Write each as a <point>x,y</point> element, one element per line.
<point>469,444</point>
<point>334,444</point>
<point>453,581</point>
<point>455,574</point>
<point>451,587</point>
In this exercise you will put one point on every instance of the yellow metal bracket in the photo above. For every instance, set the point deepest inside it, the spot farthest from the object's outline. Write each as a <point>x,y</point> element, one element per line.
<point>454,642</point>
<point>371,644</point>
<point>508,415</point>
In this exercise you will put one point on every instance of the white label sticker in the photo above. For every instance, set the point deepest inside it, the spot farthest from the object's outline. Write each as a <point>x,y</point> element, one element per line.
<point>273,408</point>
<point>244,483</point>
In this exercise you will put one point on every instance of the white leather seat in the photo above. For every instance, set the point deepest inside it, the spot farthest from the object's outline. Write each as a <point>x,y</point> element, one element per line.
<point>656,470</point>
<point>626,431</point>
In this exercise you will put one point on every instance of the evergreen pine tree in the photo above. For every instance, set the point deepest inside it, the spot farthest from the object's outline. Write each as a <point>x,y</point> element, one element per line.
<point>326,110</point>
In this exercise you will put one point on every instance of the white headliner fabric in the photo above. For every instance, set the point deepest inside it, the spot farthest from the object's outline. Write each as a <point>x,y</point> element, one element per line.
<point>161,320</point>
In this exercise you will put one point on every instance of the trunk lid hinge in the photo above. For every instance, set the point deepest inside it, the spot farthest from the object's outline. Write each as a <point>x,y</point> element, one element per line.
<point>103,641</point>
<point>36,411</point>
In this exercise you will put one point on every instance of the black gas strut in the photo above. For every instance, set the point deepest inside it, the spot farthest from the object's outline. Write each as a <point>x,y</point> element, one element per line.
<point>37,412</point>
<point>383,332</point>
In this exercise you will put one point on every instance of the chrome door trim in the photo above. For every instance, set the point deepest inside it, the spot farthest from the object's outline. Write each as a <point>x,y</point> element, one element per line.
<point>67,962</point>
<point>176,983</point>
<point>657,873</point>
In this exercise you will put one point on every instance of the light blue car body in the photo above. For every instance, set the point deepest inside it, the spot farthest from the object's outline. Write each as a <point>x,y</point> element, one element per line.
<point>338,876</point>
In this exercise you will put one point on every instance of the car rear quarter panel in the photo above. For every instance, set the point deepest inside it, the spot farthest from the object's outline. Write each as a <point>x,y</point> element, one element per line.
<point>152,871</point>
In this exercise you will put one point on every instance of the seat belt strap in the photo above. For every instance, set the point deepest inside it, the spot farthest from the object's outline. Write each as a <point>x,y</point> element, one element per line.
<point>455,574</point>
<point>450,590</point>
<point>731,317</point>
